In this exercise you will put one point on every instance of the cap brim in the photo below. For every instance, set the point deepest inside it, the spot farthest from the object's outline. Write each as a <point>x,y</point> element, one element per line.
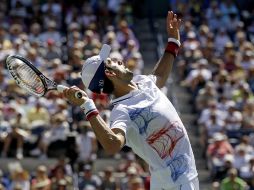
<point>105,51</point>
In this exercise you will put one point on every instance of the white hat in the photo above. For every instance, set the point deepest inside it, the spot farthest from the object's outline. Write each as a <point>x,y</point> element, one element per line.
<point>93,71</point>
<point>219,136</point>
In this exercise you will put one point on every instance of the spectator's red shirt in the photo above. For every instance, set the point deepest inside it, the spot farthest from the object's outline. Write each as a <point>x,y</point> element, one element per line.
<point>220,149</point>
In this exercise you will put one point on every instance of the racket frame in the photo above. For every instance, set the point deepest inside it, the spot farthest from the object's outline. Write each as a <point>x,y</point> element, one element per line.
<point>47,83</point>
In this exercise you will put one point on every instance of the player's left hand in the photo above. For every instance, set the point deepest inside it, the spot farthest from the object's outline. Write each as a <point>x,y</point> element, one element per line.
<point>173,25</point>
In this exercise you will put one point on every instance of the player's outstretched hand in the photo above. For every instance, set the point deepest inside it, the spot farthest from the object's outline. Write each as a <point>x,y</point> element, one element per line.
<point>173,25</point>
<point>70,95</point>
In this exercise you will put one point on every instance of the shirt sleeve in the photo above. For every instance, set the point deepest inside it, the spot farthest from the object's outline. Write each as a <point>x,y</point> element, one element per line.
<point>119,119</point>
<point>152,78</point>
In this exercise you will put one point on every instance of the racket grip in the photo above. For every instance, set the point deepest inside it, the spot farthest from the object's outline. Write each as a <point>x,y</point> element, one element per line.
<point>61,88</point>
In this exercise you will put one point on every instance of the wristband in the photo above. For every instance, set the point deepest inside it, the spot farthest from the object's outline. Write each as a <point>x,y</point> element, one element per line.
<point>175,41</point>
<point>89,108</point>
<point>93,113</point>
<point>172,48</point>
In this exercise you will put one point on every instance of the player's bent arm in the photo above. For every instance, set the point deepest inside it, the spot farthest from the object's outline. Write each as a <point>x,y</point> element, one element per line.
<point>163,69</point>
<point>111,140</point>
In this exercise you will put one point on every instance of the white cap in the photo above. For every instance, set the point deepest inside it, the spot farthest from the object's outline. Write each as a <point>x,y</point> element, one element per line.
<point>93,71</point>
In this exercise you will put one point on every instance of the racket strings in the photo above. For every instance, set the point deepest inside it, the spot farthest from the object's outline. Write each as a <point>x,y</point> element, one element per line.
<point>28,79</point>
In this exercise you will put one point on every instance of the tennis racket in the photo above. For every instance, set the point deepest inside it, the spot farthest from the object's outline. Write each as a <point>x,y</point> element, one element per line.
<point>28,77</point>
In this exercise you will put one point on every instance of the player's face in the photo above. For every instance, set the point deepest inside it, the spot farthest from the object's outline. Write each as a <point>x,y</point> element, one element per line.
<point>119,68</point>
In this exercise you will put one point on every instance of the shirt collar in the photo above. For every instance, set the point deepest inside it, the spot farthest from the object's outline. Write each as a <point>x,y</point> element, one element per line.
<point>124,97</point>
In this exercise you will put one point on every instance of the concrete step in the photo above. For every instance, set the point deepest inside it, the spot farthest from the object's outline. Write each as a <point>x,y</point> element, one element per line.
<point>148,46</point>
<point>145,37</point>
<point>188,119</point>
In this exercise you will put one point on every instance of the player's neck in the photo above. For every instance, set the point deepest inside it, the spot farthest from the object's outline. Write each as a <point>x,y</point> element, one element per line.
<point>123,89</point>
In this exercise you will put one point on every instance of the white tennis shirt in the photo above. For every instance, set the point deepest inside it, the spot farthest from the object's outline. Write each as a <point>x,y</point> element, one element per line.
<point>155,132</point>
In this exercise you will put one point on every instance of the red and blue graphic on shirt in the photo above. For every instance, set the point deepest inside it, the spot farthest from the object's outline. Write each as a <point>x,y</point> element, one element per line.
<point>162,139</point>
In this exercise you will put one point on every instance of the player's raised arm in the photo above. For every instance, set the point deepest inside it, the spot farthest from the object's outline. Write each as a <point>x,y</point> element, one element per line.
<point>164,65</point>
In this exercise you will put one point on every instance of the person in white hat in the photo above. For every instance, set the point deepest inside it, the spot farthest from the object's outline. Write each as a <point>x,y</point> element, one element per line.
<point>142,118</point>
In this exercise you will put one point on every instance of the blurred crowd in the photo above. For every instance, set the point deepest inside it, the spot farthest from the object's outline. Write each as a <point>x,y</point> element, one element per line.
<point>217,67</point>
<point>216,64</point>
<point>57,36</point>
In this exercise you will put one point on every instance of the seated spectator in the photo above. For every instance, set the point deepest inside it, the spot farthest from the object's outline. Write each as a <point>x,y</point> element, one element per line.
<point>86,143</point>
<point>211,126</point>
<point>130,162</point>
<point>131,173</point>
<point>191,43</point>
<point>57,133</point>
<point>4,181</point>
<point>245,142</point>
<point>198,76</point>
<point>232,181</point>
<point>108,180</point>
<point>241,158</point>
<point>20,177</point>
<point>250,78</point>
<point>62,162</point>
<point>222,84</point>
<point>52,51</point>
<point>247,172</point>
<point>212,109</point>
<point>217,150</point>
<point>221,39</point>
<point>124,33</point>
<point>51,33</point>
<point>136,183</point>
<point>233,118</point>
<point>15,133</point>
<point>248,115</point>
<point>61,179</point>
<point>41,180</point>
<point>205,95</point>
<point>110,39</point>
<point>247,60</point>
<point>38,113</point>
<point>87,178</point>
<point>227,165</point>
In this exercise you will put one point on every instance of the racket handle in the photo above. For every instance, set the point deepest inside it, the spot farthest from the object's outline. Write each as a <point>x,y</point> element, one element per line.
<point>61,88</point>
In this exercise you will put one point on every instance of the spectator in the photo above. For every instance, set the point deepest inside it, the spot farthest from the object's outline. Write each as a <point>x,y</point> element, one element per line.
<point>205,95</point>
<point>248,115</point>
<point>131,174</point>
<point>108,180</point>
<point>232,181</point>
<point>20,179</point>
<point>86,143</point>
<point>57,134</point>
<point>217,150</point>
<point>197,77</point>
<point>212,126</point>
<point>15,133</point>
<point>136,184</point>
<point>4,181</point>
<point>233,118</point>
<point>241,157</point>
<point>60,179</point>
<point>41,180</point>
<point>132,163</point>
<point>88,178</point>
<point>247,172</point>
<point>51,33</point>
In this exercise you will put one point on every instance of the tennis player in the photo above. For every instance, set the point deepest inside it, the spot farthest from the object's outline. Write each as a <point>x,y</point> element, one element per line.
<point>142,117</point>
